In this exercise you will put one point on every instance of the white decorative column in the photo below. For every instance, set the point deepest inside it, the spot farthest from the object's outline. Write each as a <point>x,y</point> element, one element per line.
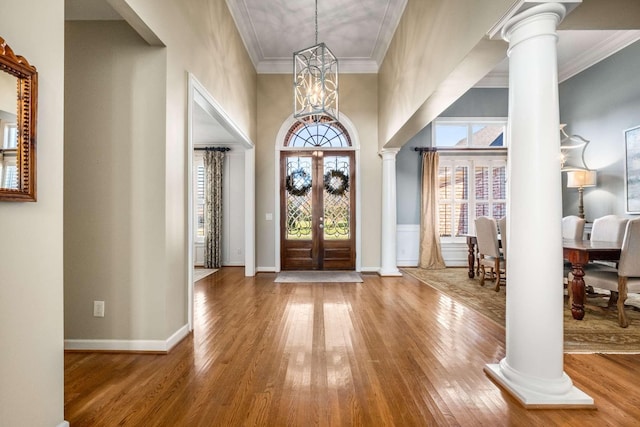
<point>533,367</point>
<point>388,255</point>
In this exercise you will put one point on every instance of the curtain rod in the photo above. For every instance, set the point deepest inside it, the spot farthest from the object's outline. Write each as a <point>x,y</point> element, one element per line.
<point>461,150</point>
<point>212,149</point>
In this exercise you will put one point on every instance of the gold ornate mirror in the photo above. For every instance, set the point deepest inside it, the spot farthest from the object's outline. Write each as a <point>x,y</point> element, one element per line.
<point>18,107</point>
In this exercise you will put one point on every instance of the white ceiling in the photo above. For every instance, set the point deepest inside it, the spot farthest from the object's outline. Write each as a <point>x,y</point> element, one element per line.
<point>357,31</point>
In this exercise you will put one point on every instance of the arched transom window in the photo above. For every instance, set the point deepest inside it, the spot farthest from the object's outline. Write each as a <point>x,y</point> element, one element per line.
<point>317,135</point>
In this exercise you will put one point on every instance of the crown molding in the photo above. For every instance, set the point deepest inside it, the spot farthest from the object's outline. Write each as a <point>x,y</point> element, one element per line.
<point>388,28</point>
<point>346,66</point>
<point>240,15</point>
<point>597,53</point>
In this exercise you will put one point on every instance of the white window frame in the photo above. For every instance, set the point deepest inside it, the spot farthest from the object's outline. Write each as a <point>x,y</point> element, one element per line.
<point>471,157</point>
<point>470,122</point>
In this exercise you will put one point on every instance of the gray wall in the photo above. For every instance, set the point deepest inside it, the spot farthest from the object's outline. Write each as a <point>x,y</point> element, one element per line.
<point>474,103</point>
<point>599,104</point>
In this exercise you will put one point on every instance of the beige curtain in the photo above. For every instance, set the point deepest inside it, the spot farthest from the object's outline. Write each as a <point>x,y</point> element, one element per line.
<point>430,252</point>
<point>213,167</point>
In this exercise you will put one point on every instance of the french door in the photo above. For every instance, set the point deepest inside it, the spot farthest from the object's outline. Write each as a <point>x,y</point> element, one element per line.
<point>317,210</point>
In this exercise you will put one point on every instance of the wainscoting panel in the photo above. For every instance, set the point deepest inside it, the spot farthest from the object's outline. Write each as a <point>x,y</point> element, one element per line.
<point>408,248</point>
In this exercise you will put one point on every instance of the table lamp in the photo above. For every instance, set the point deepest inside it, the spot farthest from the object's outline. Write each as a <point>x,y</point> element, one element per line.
<point>580,179</point>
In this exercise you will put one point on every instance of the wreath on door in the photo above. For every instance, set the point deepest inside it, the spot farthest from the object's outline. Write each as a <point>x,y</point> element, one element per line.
<point>298,183</point>
<point>336,182</point>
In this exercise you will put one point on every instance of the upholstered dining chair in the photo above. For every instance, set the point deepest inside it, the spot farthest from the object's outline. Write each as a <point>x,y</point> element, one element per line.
<point>609,228</point>
<point>489,254</point>
<point>572,227</point>
<point>502,228</point>
<point>624,279</point>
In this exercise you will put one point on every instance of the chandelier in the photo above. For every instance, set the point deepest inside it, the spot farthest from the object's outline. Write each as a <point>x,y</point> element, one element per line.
<point>315,83</point>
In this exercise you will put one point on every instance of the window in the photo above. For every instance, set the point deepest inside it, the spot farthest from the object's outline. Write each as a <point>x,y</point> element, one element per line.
<point>473,172</point>
<point>468,133</point>
<point>321,135</point>
<point>8,156</point>
<point>199,197</point>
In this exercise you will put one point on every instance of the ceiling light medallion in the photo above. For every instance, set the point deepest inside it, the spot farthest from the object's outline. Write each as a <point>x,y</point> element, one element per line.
<point>315,83</point>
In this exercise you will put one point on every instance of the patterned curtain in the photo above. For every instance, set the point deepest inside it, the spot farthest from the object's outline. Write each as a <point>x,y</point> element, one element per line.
<point>213,167</point>
<point>430,251</point>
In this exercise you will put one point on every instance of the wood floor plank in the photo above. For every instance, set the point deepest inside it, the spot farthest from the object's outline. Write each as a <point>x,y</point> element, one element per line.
<point>388,351</point>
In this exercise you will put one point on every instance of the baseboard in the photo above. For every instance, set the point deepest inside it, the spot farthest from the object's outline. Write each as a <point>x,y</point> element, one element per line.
<point>126,346</point>
<point>177,336</point>
<point>265,269</point>
<point>370,270</point>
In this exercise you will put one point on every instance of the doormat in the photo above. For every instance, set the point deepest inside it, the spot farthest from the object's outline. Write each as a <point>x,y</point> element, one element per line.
<point>201,273</point>
<point>318,277</point>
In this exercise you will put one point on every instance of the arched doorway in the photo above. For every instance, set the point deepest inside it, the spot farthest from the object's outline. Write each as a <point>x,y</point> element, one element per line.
<point>317,198</point>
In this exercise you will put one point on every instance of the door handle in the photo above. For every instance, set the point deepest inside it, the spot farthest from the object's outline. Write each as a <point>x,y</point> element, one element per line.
<point>321,226</point>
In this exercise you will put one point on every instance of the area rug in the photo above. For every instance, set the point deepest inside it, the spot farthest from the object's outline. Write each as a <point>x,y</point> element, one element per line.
<point>318,277</point>
<point>201,273</point>
<point>598,332</point>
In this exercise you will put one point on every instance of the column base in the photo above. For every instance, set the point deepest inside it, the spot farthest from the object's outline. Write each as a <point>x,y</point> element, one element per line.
<point>391,272</point>
<point>573,399</point>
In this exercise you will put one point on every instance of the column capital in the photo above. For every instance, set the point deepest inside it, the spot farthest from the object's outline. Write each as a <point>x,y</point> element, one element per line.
<point>522,6</point>
<point>547,16</point>
<point>388,153</point>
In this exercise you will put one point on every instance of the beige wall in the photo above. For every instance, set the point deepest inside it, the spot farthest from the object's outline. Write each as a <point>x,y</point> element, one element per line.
<point>432,39</point>
<point>359,102</point>
<point>114,174</point>
<point>139,258</point>
<point>31,287</point>
<point>201,38</point>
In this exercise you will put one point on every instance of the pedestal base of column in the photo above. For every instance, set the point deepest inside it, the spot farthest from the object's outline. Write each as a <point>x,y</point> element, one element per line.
<point>391,272</point>
<point>572,399</point>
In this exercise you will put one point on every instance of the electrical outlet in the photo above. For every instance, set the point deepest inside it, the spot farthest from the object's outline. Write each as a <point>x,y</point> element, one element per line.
<point>98,309</point>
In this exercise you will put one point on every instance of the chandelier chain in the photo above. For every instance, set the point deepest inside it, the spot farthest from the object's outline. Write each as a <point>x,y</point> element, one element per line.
<point>316,21</point>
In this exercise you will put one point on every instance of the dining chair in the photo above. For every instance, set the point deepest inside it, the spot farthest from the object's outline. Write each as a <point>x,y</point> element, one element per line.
<point>624,279</point>
<point>502,228</point>
<point>489,250</point>
<point>609,228</point>
<point>573,227</point>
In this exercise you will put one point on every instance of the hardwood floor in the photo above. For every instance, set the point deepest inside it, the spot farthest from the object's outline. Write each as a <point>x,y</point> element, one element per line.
<point>389,351</point>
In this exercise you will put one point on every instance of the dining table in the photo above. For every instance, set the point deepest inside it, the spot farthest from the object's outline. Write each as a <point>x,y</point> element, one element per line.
<point>578,253</point>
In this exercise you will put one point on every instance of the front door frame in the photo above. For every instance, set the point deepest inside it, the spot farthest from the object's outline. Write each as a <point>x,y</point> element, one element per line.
<point>355,147</point>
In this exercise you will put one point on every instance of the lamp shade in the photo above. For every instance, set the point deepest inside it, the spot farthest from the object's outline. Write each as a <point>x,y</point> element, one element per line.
<point>581,178</point>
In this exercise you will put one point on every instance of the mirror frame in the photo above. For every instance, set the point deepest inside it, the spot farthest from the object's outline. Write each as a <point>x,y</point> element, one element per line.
<point>27,103</point>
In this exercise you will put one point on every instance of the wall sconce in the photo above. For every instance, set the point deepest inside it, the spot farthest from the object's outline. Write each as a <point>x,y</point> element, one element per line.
<point>572,149</point>
<point>580,179</point>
